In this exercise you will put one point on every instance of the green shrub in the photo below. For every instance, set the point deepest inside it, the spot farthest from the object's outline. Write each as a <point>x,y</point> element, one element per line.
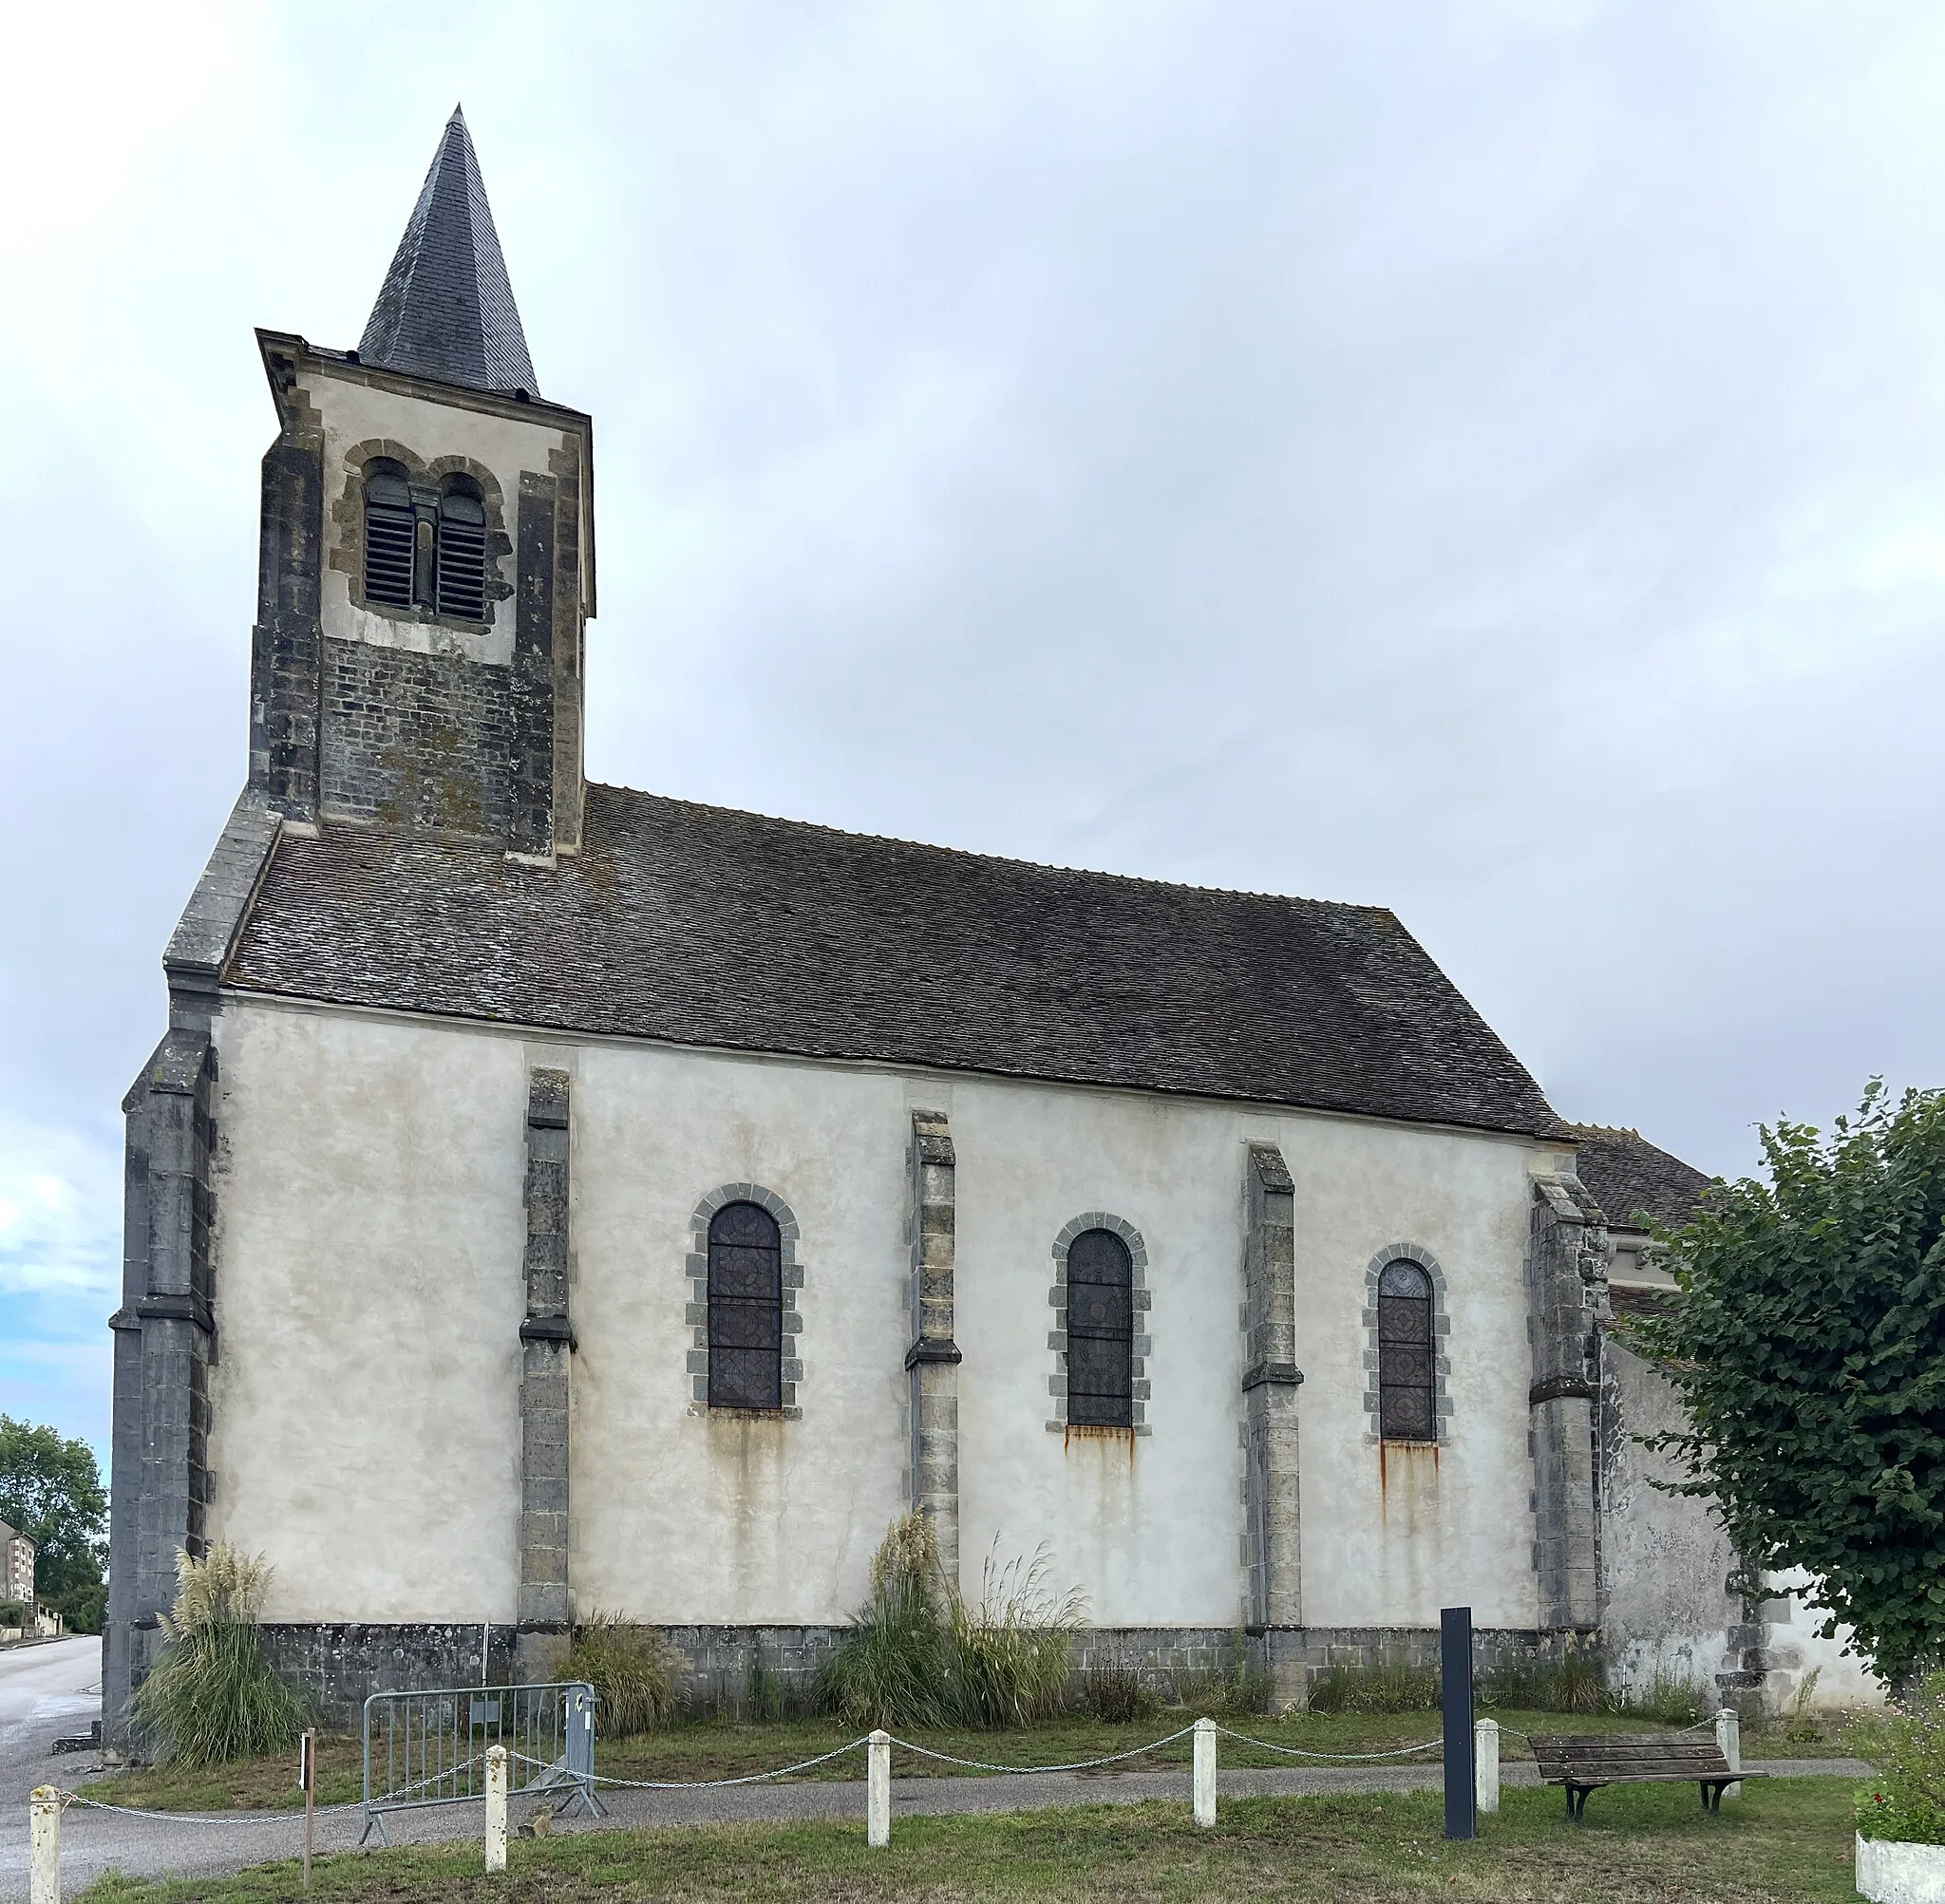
<point>1576,1684</point>
<point>82,1609</point>
<point>14,1612</point>
<point>1801,1726</point>
<point>1232,1691</point>
<point>1906,1800</point>
<point>1391,1684</point>
<point>918,1654</point>
<point>637,1675</point>
<point>1669,1698</point>
<point>212,1695</point>
<point>1113,1690</point>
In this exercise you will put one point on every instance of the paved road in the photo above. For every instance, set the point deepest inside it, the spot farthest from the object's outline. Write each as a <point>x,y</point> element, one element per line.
<point>214,1845</point>
<point>45,1691</point>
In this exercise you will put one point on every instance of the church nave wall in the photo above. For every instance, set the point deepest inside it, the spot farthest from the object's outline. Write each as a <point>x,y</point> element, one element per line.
<point>367,1395</point>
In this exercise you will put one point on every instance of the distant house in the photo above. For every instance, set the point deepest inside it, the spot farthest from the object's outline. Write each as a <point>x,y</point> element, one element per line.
<point>16,1565</point>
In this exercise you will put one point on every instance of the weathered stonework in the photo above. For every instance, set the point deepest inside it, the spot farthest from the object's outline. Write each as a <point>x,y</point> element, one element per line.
<point>1566,1291</point>
<point>1442,1335</point>
<point>546,1349</point>
<point>1057,1301</point>
<point>165,1342</point>
<point>696,1313</point>
<point>931,1362</point>
<point>286,643</point>
<point>340,1663</point>
<point>418,741</point>
<point>531,822</point>
<point>1272,1508</point>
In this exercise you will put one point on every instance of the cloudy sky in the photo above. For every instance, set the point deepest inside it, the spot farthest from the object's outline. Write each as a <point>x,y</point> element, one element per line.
<point>1483,458</point>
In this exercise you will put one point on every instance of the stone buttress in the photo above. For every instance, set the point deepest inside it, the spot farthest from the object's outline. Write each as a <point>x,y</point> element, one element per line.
<point>1272,1520</point>
<point>1566,1295</point>
<point>546,1349</point>
<point>933,1360</point>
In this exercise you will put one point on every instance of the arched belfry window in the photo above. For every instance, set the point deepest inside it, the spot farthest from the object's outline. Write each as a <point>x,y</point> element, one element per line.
<point>1100,1331</point>
<point>745,1308</point>
<point>424,547</point>
<point>391,534</point>
<point>461,582</point>
<point>1407,1369</point>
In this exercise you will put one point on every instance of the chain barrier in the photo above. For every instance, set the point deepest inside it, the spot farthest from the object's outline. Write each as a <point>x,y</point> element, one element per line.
<point>292,1815</point>
<point>1078,1764</point>
<point>1333,1758</point>
<point>707,1784</point>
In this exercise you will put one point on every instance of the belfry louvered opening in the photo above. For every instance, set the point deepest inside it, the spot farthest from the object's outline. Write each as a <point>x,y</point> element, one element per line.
<point>1100,1331</point>
<point>462,552</point>
<point>389,535</point>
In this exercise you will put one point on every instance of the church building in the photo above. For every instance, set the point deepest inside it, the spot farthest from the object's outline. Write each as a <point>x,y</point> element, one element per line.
<point>549,1197</point>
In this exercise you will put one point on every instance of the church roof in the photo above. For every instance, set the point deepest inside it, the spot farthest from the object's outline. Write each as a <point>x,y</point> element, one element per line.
<point>1629,1176</point>
<point>445,310</point>
<point>701,926</point>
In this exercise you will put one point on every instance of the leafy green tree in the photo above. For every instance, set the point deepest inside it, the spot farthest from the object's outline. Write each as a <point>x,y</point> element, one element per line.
<point>1807,1338</point>
<point>50,1489</point>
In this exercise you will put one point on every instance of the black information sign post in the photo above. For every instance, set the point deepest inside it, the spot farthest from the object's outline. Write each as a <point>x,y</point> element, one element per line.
<point>1455,1678</point>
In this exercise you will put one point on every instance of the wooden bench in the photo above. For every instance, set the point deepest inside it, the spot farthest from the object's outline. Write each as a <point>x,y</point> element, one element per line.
<point>1583,1764</point>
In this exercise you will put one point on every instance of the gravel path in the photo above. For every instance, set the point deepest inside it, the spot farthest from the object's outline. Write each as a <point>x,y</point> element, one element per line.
<point>216,1844</point>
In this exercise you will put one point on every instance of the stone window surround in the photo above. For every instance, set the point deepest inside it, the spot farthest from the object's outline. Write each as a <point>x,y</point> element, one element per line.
<point>1142,1346</point>
<point>696,1313</point>
<point>347,554</point>
<point>1441,1336</point>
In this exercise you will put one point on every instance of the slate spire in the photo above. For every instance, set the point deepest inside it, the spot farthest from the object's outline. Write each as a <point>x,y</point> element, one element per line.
<point>446,309</point>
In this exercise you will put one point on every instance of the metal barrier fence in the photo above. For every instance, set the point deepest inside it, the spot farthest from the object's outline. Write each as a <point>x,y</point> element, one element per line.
<point>429,1748</point>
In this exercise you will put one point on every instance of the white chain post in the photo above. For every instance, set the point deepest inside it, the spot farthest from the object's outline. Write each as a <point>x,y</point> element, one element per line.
<point>45,1811</point>
<point>1728,1742</point>
<point>496,1808</point>
<point>1485,1764</point>
<point>878,1790</point>
<point>1206,1771</point>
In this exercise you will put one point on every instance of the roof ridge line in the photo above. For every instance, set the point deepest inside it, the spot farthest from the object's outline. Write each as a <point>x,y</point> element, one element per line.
<point>996,859</point>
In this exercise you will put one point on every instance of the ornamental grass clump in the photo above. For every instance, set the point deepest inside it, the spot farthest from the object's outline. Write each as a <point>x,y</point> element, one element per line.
<point>891,1666</point>
<point>637,1675</point>
<point>1012,1653</point>
<point>1906,1800</point>
<point>918,1654</point>
<point>212,1695</point>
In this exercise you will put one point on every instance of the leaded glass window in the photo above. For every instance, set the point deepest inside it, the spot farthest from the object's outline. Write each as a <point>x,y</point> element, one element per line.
<point>1101,1330</point>
<point>745,1308</point>
<point>1407,1381</point>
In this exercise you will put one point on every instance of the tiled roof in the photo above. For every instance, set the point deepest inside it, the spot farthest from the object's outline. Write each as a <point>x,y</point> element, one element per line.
<point>446,310</point>
<point>1628,1175</point>
<point>701,926</point>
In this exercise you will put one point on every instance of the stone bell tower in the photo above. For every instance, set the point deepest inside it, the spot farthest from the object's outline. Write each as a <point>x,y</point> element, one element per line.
<point>427,559</point>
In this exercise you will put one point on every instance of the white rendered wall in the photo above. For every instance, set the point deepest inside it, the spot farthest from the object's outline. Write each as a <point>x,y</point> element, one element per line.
<point>368,1295</point>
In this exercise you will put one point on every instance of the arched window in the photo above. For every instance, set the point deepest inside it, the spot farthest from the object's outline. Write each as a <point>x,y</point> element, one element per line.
<point>1100,1331</point>
<point>388,534</point>
<point>745,1308</point>
<point>461,584</point>
<point>1406,1368</point>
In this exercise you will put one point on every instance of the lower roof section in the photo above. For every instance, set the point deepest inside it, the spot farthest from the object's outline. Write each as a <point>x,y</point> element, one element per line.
<point>699,925</point>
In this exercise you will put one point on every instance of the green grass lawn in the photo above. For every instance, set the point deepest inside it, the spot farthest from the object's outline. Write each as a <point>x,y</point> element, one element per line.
<point>721,1749</point>
<point>1641,1845</point>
